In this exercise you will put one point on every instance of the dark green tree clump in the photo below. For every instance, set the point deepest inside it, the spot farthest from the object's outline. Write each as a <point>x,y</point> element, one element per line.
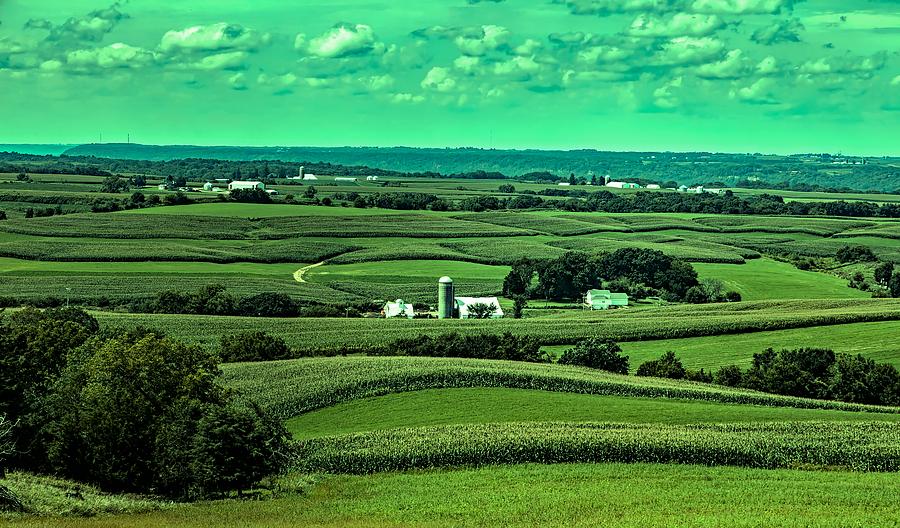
<point>477,346</point>
<point>251,196</point>
<point>600,354</point>
<point>667,366</point>
<point>817,373</point>
<point>128,411</point>
<point>848,254</point>
<point>253,346</point>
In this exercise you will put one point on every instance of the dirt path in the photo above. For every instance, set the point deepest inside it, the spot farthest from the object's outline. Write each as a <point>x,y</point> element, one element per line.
<point>298,275</point>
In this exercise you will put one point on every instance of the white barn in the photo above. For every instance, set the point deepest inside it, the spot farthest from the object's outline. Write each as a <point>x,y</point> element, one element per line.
<point>623,185</point>
<point>398,308</point>
<point>235,185</point>
<point>464,303</point>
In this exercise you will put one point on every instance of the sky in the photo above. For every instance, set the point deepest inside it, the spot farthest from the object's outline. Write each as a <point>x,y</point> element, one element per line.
<point>772,76</point>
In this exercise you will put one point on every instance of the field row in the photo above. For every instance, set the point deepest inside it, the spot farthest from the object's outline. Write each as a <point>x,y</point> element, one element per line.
<point>291,388</point>
<point>865,446</point>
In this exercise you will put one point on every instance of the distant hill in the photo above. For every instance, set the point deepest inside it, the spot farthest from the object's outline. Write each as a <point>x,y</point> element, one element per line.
<point>37,150</point>
<point>823,170</point>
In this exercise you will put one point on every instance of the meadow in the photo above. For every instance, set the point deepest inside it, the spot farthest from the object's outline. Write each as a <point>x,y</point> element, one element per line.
<point>694,451</point>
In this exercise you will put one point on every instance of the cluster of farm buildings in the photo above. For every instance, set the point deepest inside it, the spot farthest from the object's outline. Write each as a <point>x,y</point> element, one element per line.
<point>699,189</point>
<point>452,307</point>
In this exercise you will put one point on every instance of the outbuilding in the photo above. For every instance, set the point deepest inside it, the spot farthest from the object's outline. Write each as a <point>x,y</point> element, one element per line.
<point>464,305</point>
<point>345,179</point>
<point>398,308</point>
<point>604,299</point>
<point>236,185</point>
<point>623,185</point>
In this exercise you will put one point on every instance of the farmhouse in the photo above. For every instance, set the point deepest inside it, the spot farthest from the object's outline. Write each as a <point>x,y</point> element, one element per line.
<point>464,304</point>
<point>398,308</point>
<point>235,185</point>
<point>344,179</point>
<point>623,185</point>
<point>604,299</point>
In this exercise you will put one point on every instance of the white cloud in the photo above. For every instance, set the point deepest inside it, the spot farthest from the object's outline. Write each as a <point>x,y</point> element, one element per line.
<point>689,50</point>
<point>467,64</point>
<point>407,98</point>
<point>344,40</point>
<point>895,81</point>
<point>665,96</point>
<point>679,25</point>
<point>732,66</point>
<point>740,7</point>
<point>238,81</point>
<point>213,37</point>
<point>768,66</point>
<point>282,84</point>
<point>231,60</point>
<point>520,68</point>
<point>439,79</point>
<point>603,54</point>
<point>529,47</point>
<point>116,55</point>
<point>863,66</point>
<point>377,83</point>
<point>759,92</point>
<point>490,38</point>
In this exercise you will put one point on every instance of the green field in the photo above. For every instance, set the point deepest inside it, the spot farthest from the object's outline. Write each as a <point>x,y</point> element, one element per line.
<point>495,405</point>
<point>585,495</point>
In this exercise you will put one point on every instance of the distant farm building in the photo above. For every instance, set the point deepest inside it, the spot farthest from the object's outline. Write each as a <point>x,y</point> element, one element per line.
<point>653,186</point>
<point>398,308</point>
<point>564,184</point>
<point>371,178</point>
<point>683,188</point>
<point>235,185</point>
<point>208,186</point>
<point>346,179</point>
<point>465,304</point>
<point>623,185</point>
<point>604,300</point>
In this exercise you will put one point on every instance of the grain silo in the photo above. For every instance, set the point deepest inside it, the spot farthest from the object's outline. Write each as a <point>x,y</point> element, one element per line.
<point>446,298</point>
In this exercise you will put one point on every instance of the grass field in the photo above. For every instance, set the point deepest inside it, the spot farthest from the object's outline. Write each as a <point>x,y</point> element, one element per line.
<point>763,279</point>
<point>249,210</point>
<point>492,405</point>
<point>583,495</point>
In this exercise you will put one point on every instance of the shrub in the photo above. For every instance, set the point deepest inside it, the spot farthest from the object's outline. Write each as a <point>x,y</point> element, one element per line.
<point>667,366</point>
<point>848,254</point>
<point>2,215</point>
<point>482,310</point>
<point>250,196</point>
<point>884,272</point>
<point>268,304</point>
<point>252,346</point>
<point>729,375</point>
<point>601,354</point>
<point>698,375</point>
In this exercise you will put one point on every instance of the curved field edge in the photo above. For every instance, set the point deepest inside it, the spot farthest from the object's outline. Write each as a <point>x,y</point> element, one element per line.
<point>293,387</point>
<point>866,446</point>
<point>494,405</point>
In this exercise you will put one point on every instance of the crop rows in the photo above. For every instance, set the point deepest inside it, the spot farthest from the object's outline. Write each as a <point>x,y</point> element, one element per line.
<point>690,251</point>
<point>315,335</point>
<point>553,225</point>
<point>291,388</point>
<point>872,446</point>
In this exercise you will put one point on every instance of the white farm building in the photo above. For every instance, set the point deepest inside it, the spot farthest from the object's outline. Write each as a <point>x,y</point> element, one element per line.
<point>235,185</point>
<point>623,185</point>
<point>346,179</point>
<point>398,308</point>
<point>463,305</point>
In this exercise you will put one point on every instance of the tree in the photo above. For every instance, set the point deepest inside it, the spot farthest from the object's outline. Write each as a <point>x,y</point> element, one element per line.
<point>310,192</point>
<point>518,281</point>
<point>848,254</point>
<point>600,354</point>
<point>139,181</point>
<point>572,179</point>
<point>269,304</point>
<point>2,215</point>
<point>667,366</point>
<point>569,276</point>
<point>507,188</point>
<point>29,212</point>
<point>884,271</point>
<point>519,305</point>
<point>252,346</point>
<point>138,198</point>
<point>482,310</point>
<point>802,372</point>
<point>894,285</point>
<point>729,375</point>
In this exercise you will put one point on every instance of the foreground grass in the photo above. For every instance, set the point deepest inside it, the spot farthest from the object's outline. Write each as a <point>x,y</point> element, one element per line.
<point>51,496</point>
<point>474,406</point>
<point>583,495</point>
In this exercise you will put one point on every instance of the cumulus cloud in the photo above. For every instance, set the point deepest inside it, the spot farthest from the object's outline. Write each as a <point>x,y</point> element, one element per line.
<point>487,38</point>
<point>116,55</point>
<point>518,68</point>
<point>733,66</point>
<point>439,79</point>
<point>214,37</point>
<point>665,96</point>
<point>758,92</point>
<point>612,7</point>
<point>407,98</point>
<point>229,60</point>
<point>91,27</point>
<point>740,7</point>
<point>683,51</point>
<point>861,66</point>
<point>768,66</point>
<point>281,84</point>
<point>777,32</point>
<point>679,25</point>
<point>341,41</point>
<point>238,81</point>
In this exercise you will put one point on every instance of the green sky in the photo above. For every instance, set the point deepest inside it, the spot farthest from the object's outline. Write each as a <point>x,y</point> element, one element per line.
<point>723,75</point>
